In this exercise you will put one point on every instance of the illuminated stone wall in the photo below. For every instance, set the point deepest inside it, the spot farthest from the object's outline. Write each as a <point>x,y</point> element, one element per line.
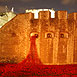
<point>56,42</point>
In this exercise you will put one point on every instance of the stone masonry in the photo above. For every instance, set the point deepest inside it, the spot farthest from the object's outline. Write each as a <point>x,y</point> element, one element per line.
<point>56,42</point>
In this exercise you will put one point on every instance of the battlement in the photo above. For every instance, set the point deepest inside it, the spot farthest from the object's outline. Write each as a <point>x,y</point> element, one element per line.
<point>36,11</point>
<point>61,14</point>
<point>48,14</point>
<point>72,16</point>
<point>44,15</point>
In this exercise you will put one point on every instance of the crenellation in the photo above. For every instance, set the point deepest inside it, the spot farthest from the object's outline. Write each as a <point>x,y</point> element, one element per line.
<point>72,16</point>
<point>44,15</point>
<point>29,16</point>
<point>61,14</point>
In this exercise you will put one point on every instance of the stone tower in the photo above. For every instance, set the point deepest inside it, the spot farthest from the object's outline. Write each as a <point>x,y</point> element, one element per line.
<point>56,42</point>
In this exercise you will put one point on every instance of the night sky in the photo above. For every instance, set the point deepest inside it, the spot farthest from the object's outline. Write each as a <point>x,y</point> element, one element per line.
<point>21,5</point>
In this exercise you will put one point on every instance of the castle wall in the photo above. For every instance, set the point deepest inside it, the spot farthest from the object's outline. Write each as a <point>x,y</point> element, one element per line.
<point>45,43</point>
<point>56,42</point>
<point>72,38</point>
<point>14,38</point>
<point>62,44</point>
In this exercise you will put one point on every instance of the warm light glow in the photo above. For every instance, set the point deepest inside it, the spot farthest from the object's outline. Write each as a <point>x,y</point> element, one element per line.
<point>36,11</point>
<point>0,26</point>
<point>33,34</point>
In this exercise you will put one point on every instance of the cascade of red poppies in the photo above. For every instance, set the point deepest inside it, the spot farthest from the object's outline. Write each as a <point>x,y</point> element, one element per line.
<point>32,57</point>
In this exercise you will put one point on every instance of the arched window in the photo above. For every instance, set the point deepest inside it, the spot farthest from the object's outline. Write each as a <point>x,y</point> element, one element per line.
<point>34,34</point>
<point>49,35</point>
<point>63,35</point>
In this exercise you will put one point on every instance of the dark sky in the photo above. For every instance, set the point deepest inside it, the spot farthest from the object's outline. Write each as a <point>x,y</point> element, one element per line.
<point>21,5</point>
